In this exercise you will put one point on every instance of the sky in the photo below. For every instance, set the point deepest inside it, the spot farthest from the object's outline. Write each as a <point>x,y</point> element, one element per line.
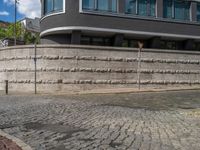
<point>25,8</point>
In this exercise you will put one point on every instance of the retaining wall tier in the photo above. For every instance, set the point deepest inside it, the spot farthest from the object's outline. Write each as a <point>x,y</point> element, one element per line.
<point>67,68</point>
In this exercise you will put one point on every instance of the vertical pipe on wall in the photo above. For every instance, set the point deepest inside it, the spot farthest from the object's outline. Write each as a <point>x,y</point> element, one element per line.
<point>139,66</point>
<point>140,45</point>
<point>6,87</point>
<point>35,62</point>
<point>15,30</point>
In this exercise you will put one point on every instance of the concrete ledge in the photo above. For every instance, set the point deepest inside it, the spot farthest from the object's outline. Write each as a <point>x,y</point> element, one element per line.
<point>20,143</point>
<point>102,48</point>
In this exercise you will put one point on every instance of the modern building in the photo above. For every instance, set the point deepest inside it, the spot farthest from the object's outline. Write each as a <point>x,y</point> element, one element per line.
<point>167,24</point>
<point>31,25</point>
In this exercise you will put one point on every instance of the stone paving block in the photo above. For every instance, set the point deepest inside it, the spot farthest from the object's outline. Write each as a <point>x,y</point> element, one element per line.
<point>145,121</point>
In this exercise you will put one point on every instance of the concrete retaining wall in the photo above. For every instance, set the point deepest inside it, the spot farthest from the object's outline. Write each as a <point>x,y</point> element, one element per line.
<point>73,68</point>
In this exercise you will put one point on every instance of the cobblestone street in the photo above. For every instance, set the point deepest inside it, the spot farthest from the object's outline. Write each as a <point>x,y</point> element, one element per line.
<point>139,121</point>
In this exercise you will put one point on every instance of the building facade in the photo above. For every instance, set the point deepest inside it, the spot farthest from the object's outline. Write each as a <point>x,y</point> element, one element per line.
<point>163,24</point>
<point>31,25</point>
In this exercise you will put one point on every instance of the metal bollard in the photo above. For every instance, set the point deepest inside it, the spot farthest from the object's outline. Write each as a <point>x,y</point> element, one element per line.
<point>6,87</point>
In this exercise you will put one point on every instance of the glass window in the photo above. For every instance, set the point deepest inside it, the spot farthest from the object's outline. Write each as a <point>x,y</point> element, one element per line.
<point>88,4</point>
<point>146,7</point>
<point>198,11</point>
<point>97,41</point>
<point>100,5</point>
<point>131,6</point>
<point>187,10</point>
<point>107,41</point>
<point>103,5</point>
<point>125,43</point>
<point>167,8</point>
<point>89,40</point>
<point>182,10</point>
<point>85,40</point>
<point>152,7</point>
<point>52,6</point>
<point>48,6</point>
<point>142,7</point>
<point>177,9</point>
<point>58,5</point>
<point>133,43</point>
<point>114,6</point>
<point>165,44</point>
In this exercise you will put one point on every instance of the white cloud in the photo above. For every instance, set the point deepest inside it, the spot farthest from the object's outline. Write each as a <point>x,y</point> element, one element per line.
<point>4,13</point>
<point>29,8</point>
<point>8,1</point>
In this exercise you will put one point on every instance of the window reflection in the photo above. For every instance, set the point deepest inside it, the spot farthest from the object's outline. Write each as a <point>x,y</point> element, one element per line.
<point>198,12</point>
<point>51,6</point>
<point>173,9</point>
<point>177,9</point>
<point>58,5</point>
<point>88,4</point>
<point>100,5</point>
<point>103,5</point>
<point>131,6</point>
<point>48,6</point>
<point>114,6</point>
<point>140,7</point>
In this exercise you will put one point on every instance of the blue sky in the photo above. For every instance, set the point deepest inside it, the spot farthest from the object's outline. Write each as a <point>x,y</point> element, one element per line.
<point>10,9</point>
<point>26,8</point>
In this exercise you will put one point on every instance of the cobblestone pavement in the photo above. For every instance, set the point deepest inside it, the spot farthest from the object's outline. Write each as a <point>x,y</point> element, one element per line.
<point>144,121</point>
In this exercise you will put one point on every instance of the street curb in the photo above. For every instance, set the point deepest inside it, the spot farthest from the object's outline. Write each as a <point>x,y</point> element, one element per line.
<point>124,91</point>
<point>19,142</point>
<point>104,91</point>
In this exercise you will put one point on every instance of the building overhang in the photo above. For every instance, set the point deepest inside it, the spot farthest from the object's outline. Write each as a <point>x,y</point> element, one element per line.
<point>110,32</point>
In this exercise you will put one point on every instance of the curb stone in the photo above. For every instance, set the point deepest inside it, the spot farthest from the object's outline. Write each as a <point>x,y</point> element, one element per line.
<point>103,91</point>
<point>19,142</point>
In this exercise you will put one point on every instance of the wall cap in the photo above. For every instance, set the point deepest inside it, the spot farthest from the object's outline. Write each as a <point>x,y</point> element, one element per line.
<point>102,48</point>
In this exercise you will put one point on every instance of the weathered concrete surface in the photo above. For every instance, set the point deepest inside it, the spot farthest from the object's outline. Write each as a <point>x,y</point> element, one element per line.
<point>77,68</point>
<point>150,121</point>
